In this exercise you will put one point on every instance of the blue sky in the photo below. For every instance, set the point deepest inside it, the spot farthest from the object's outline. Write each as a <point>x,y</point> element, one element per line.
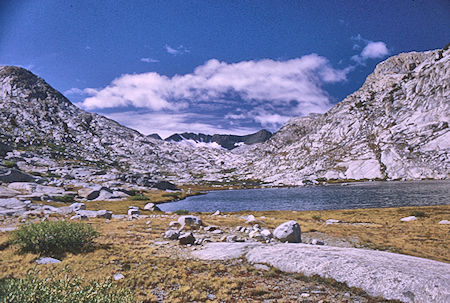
<point>212,66</point>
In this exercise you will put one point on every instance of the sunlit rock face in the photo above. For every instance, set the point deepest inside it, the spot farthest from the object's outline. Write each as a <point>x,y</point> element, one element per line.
<point>396,126</point>
<point>37,118</point>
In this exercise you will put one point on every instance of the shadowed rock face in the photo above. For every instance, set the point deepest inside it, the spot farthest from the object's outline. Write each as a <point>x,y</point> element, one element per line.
<point>226,141</point>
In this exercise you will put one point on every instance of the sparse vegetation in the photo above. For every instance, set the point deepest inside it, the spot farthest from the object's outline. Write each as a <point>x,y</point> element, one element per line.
<point>181,212</point>
<point>54,238</point>
<point>33,289</point>
<point>419,214</point>
<point>64,199</point>
<point>139,198</point>
<point>9,164</point>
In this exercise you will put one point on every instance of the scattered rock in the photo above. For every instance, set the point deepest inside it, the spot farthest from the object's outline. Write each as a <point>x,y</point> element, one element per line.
<point>288,232</point>
<point>171,235</point>
<point>444,222</point>
<point>118,276</point>
<point>190,221</point>
<point>94,192</point>
<point>332,221</point>
<point>95,214</point>
<point>317,242</point>
<point>186,238</point>
<point>250,219</point>
<point>78,206</point>
<point>133,212</point>
<point>261,267</point>
<point>216,213</point>
<point>47,260</point>
<point>407,219</point>
<point>266,233</point>
<point>80,217</point>
<point>174,224</point>
<point>211,228</point>
<point>151,207</point>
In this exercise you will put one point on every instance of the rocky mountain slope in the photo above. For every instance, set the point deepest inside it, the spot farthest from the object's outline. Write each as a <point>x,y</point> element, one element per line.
<point>226,141</point>
<point>396,126</point>
<point>51,135</point>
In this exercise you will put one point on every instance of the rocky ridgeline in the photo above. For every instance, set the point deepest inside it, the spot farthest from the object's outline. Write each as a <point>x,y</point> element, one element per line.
<point>49,135</point>
<point>396,126</point>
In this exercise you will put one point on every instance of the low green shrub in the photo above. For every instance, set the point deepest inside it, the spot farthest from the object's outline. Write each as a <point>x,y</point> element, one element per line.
<point>419,214</point>
<point>316,217</point>
<point>181,212</point>
<point>139,198</point>
<point>54,238</point>
<point>33,289</point>
<point>9,164</point>
<point>171,195</point>
<point>65,198</point>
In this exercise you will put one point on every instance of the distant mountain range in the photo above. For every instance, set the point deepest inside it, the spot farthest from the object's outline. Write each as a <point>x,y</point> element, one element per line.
<point>226,141</point>
<point>396,126</point>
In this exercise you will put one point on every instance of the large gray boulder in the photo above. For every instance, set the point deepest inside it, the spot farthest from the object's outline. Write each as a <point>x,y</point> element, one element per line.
<point>95,214</point>
<point>186,238</point>
<point>288,232</point>
<point>190,221</point>
<point>151,207</point>
<point>94,192</point>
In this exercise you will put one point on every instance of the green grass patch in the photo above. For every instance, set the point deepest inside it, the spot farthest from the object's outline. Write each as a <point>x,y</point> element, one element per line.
<point>139,198</point>
<point>54,238</point>
<point>32,289</point>
<point>9,164</point>
<point>64,199</point>
<point>171,195</point>
<point>181,212</point>
<point>419,214</point>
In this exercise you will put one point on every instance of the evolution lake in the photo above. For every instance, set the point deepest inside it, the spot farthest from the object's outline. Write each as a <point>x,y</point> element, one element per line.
<point>320,197</point>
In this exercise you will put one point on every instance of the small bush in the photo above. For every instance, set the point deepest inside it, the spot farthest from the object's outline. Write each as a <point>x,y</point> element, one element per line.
<point>32,289</point>
<point>65,198</point>
<point>419,214</point>
<point>54,238</point>
<point>139,198</point>
<point>181,212</point>
<point>9,164</point>
<point>316,217</point>
<point>171,195</point>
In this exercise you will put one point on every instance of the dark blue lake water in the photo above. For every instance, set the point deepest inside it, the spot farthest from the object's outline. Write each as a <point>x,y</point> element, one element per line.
<point>355,195</point>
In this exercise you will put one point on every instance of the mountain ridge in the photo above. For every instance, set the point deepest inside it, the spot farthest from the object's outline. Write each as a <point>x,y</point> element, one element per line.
<point>226,141</point>
<point>394,127</point>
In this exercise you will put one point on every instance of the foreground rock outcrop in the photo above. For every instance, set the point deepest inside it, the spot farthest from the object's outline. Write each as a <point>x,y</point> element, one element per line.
<point>389,275</point>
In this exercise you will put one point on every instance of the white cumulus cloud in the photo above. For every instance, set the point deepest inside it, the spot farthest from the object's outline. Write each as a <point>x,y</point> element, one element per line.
<point>266,91</point>
<point>371,50</point>
<point>374,50</point>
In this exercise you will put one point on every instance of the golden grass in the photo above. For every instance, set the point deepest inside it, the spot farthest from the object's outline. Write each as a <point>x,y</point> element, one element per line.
<point>153,272</point>
<point>384,231</point>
